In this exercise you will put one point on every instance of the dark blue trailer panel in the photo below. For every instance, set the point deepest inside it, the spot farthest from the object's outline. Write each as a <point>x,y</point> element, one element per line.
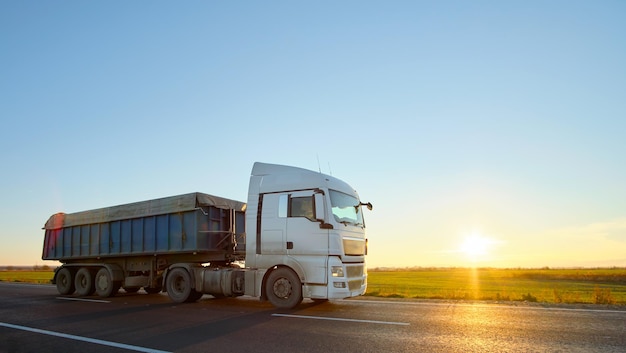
<point>209,227</point>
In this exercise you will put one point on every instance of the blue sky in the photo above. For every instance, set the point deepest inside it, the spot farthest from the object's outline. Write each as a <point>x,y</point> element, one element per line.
<point>504,120</point>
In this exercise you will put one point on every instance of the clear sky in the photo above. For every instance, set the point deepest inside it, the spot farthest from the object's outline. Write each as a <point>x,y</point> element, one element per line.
<point>487,133</point>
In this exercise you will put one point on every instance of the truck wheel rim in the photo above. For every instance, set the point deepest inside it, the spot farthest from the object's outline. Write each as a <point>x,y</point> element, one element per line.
<point>179,284</point>
<point>103,282</point>
<point>282,288</point>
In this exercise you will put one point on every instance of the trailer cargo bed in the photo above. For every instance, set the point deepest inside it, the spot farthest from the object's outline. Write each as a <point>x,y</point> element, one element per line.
<point>209,227</point>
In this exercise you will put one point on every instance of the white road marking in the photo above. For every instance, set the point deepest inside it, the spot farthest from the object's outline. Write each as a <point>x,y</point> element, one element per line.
<point>84,300</point>
<point>83,339</point>
<point>341,319</point>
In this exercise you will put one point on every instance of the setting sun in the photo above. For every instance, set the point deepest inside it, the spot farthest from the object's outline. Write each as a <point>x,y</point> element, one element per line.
<point>475,246</point>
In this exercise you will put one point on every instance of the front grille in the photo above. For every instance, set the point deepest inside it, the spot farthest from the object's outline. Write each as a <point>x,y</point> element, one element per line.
<point>355,284</point>
<point>354,271</point>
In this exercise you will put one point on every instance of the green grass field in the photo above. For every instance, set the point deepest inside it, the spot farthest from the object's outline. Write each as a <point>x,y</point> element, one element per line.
<point>27,276</point>
<point>594,286</point>
<point>570,286</point>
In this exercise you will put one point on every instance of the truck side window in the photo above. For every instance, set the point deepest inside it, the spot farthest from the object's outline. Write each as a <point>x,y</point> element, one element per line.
<point>282,206</point>
<point>302,207</point>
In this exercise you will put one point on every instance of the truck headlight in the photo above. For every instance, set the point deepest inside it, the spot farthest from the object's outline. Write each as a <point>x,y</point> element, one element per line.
<point>337,271</point>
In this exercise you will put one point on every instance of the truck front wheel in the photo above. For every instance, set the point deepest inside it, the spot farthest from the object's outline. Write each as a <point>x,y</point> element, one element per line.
<point>283,288</point>
<point>65,281</point>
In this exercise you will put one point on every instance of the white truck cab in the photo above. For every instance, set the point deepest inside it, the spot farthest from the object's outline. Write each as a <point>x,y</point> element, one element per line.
<point>310,224</point>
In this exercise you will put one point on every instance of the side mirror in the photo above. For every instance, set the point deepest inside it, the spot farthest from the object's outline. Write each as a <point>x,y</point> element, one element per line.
<point>368,205</point>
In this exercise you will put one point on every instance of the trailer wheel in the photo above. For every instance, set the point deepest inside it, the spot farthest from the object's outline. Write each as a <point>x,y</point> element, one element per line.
<point>105,287</point>
<point>283,288</point>
<point>178,285</point>
<point>83,281</point>
<point>65,281</point>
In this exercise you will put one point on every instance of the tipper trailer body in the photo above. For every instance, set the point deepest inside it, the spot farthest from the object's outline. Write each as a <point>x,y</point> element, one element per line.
<point>300,235</point>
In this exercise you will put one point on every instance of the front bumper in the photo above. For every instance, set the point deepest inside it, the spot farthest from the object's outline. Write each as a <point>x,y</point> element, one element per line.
<point>352,284</point>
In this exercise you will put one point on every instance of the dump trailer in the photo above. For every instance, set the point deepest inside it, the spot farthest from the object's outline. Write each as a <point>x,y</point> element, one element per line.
<point>300,235</point>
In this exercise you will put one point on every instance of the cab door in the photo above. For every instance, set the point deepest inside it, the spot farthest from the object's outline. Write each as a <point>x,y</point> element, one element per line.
<point>307,241</point>
<point>304,235</point>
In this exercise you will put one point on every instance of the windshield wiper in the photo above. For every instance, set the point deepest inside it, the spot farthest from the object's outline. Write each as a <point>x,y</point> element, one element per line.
<point>345,223</point>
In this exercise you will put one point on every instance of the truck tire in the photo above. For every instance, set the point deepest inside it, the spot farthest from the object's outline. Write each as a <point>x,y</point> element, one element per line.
<point>83,281</point>
<point>283,288</point>
<point>65,281</point>
<point>178,285</point>
<point>105,287</point>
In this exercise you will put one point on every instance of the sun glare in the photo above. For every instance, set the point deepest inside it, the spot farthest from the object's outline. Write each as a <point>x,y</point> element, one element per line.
<point>476,246</point>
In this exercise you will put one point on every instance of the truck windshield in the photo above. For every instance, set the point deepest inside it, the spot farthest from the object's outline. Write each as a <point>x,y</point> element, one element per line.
<point>346,209</point>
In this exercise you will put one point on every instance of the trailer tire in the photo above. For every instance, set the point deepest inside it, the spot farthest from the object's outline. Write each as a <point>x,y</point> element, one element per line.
<point>105,286</point>
<point>65,281</point>
<point>84,283</point>
<point>178,285</point>
<point>283,288</point>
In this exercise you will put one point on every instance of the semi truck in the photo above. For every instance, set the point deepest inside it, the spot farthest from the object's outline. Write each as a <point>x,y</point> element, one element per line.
<point>301,234</point>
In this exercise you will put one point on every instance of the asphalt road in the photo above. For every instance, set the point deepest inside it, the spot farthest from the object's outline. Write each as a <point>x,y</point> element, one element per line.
<point>34,318</point>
